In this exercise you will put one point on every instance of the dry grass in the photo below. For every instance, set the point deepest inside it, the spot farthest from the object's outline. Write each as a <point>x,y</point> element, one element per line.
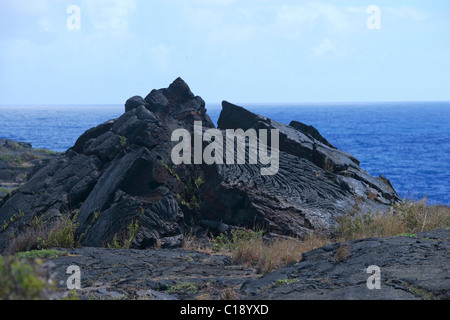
<point>267,257</point>
<point>27,240</point>
<point>192,242</point>
<point>229,295</point>
<point>407,218</point>
<point>343,253</point>
<point>248,247</point>
<point>42,235</point>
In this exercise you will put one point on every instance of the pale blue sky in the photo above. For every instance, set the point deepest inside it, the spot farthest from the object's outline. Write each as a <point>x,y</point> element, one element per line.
<point>237,50</point>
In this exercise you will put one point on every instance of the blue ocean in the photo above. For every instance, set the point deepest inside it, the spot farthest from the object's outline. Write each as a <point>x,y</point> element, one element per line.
<point>409,143</point>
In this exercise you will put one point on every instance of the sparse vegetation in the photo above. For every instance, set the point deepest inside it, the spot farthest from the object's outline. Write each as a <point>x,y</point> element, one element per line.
<point>14,145</point>
<point>249,248</point>
<point>409,235</point>
<point>19,159</point>
<point>45,151</point>
<point>39,235</point>
<point>183,288</point>
<point>245,246</point>
<point>228,295</point>
<point>14,218</point>
<point>7,190</point>
<point>283,282</point>
<point>419,292</point>
<point>20,280</point>
<point>62,235</point>
<point>189,199</point>
<point>11,159</point>
<point>407,218</point>
<point>39,254</point>
<point>192,242</point>
<point>96,216</point>
<point>171,170</point>
<point>268,256</point>
<point>342,253</point>
<point>235,239</point>
<point>127,239</point>
<point>123,141</point>
<point>328,165</point>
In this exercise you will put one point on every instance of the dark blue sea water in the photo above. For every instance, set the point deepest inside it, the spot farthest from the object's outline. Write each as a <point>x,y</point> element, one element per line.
<point>409,143</point>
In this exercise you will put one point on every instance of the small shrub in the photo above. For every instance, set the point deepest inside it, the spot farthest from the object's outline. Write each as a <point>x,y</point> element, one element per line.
<point>40,236</point>
<point>39,254</point>
<point>409,235</point>
<point>27,240</point>
<point>62,235</point>
<point>20,280</point>
<point>342,253</point>
<point>114,244</point>
<point>123,141</point>
<point>228,295</point>
<point>183,288</point>
<point>283,282</point>
<point>96,216</point>
<point>128,238</point>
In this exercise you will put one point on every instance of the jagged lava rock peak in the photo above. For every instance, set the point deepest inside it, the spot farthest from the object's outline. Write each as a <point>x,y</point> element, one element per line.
<point>121,173</point>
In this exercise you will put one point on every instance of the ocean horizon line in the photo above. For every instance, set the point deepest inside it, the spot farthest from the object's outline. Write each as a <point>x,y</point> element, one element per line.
<point>257,104</point>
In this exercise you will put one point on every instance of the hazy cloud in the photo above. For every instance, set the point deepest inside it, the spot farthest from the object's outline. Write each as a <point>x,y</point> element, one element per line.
<point>264,46</point>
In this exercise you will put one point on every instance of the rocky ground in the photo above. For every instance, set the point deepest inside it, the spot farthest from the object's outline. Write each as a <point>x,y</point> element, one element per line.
<point>411,268</point>
<point>18,160</point>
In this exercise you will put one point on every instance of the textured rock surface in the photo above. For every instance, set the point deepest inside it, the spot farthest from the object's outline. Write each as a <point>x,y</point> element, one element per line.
<point>411,268</point>
<point>150,274</point>
<point>120,174</point>
<point>316,182</point>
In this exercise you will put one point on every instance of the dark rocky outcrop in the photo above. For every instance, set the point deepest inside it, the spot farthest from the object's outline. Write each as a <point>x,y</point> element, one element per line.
<point>120,174</point>
<point>114,175</point>
<point>311,132</point>
<point>316,182</point>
